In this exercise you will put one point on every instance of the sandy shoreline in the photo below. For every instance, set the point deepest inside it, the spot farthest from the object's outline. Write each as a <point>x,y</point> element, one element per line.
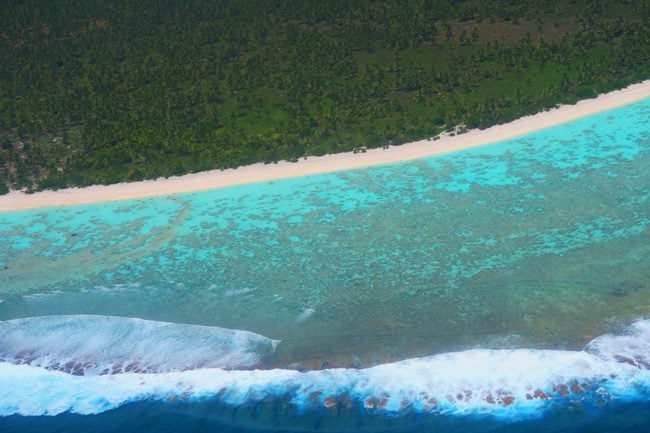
<point>324,164</point>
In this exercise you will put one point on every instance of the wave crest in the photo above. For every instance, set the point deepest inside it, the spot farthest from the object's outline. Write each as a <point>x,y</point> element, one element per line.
<point>506,384</point>
<point>99,345</point>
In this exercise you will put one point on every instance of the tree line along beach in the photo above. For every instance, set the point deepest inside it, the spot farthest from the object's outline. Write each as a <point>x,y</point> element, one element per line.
<point>112,93</point>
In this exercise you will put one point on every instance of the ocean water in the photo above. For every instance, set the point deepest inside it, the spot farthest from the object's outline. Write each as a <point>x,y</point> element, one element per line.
<point>502,288</point>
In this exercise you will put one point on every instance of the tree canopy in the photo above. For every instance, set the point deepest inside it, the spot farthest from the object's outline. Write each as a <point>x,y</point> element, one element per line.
<point>109,91</point>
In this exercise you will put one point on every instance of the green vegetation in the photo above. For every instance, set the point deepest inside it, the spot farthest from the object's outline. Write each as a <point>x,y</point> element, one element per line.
<point>109,91</point>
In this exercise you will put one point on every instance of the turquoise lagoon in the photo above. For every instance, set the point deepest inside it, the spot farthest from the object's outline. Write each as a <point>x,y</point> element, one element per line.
<point>541,242</point>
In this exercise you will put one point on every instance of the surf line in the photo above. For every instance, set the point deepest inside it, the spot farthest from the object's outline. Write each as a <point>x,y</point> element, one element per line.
<point>504,384</point>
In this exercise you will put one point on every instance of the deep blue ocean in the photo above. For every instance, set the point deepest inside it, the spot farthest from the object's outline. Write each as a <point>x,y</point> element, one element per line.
<point>147,417</point>
<point>502,288</point>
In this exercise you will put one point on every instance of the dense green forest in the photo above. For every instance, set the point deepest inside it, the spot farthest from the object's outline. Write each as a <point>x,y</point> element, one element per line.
<point>113,90</point>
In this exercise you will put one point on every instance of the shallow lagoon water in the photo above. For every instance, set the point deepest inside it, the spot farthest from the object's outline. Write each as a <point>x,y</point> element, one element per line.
<point>538,242</point>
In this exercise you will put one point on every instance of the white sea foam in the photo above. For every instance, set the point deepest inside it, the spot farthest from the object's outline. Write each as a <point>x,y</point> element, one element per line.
<point>502,383</point>
<point>93,345</point>
<point>306,314</point>
<point>628,348</point>
<point>235,292</point>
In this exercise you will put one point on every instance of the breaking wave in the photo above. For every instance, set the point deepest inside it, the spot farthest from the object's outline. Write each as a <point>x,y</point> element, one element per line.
<point>99,345</point>
<point>504,384</point>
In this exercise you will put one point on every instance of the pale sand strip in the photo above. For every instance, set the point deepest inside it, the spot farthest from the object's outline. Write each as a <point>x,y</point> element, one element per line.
<point>16,200</point>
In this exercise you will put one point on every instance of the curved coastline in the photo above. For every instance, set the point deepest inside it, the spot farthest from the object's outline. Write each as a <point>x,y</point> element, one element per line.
<point>17,200</point>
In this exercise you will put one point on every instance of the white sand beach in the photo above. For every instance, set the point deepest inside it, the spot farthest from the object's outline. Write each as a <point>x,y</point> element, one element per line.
<point>17,200</point>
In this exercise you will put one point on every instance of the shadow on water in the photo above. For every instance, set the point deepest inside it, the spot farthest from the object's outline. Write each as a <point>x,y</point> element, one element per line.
<point>206,417</point>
